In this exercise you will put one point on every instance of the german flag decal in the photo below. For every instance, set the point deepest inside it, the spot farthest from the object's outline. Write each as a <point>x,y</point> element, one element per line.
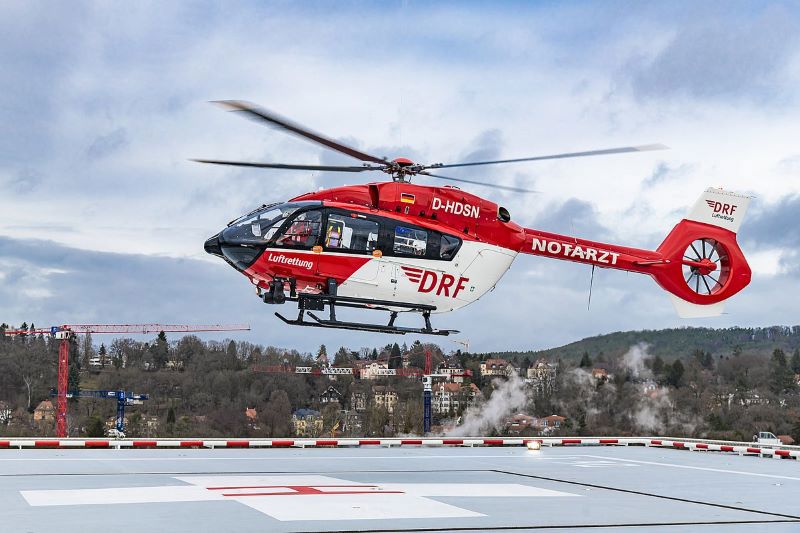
<point>407,198</point>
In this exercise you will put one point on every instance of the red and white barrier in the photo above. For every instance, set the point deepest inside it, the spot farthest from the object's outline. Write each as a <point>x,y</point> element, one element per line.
<point>741,448</point>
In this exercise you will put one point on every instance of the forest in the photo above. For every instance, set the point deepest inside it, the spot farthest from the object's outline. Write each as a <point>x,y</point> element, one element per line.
<point>715,383</point>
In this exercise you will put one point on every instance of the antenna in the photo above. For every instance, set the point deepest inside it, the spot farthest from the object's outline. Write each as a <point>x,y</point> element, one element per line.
<point>591,282</point>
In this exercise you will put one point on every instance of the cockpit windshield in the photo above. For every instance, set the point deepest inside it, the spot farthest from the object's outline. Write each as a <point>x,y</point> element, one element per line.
<point>260,226</point>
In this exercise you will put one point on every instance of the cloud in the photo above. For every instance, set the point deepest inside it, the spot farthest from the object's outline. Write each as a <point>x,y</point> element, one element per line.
<point>105,145</point>
<point>721,55</point>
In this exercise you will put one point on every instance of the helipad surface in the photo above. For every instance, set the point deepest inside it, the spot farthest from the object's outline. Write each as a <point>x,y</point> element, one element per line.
<point>397,489</point>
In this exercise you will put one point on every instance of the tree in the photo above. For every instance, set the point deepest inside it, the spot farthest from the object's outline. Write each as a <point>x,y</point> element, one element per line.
<point>795,364</point>
<point>586,361</point>
<point>675,373</point>
<point>658,365</point>
<point>102,353</point>
<point>395,357</point>
<point>322,355</point>
<point>160,350</point>
<point>342,356</point>
<point>171,416</point>
<point>95,427</point>
<point>781,376</point>
<point>278,414</point>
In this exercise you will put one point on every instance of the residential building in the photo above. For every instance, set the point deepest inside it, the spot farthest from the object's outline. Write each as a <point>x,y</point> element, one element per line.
<point>375,369</point>
<point>307,423</point>
<point>497,367</point>
<point>521,422</point>
<point>384,397</point>
<point>452,397</point>
<point>601,374</point>
<point>44,412</point>
<point>331,395</point>
<point>541,377</point>
<point>358,401</point>
<point>551,423</point>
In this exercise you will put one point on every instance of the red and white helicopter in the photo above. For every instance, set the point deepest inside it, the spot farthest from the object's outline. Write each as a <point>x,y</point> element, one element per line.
<point>399,247</point>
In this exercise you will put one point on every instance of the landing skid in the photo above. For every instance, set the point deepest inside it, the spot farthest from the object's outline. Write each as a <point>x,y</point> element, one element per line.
<point>317,302</point>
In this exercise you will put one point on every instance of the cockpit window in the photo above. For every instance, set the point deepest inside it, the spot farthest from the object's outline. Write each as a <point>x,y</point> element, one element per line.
<point>303,230</point>
<point>260,226</point>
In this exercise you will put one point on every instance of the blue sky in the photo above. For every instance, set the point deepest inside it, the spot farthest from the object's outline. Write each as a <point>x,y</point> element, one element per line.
<point>102,218</point>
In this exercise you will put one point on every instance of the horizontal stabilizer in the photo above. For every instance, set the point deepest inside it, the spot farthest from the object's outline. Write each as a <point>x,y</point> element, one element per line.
<point>689,310</point>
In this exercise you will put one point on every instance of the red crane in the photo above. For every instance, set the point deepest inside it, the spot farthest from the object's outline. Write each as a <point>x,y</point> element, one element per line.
<point>66,332</point>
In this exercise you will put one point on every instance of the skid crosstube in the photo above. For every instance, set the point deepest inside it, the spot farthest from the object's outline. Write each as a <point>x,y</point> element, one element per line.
<point>317,302</point>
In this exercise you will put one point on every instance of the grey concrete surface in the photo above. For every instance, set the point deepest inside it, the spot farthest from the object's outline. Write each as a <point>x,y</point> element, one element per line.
<point>397,489</point>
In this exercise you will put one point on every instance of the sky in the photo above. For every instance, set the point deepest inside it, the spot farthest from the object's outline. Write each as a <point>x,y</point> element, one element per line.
<point>103,216</point>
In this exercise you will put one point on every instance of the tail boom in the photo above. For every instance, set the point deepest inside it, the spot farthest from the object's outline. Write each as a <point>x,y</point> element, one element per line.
<point>699,263</point>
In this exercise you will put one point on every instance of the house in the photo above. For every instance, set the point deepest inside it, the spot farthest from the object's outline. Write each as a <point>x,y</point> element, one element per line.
<point>384,397</point>
<point>521,422</point>
<point>44,412</point>
<point>497,367</point>
<point>307,422</point>
<point>358,401</point>
<point>452,396</point>
<point>352,423</point>
<point>331,395</point>
<point>5,413</point>
<point>375,369</point>
<point>600,374</point>
<point>541,376</point>
<point>452,369</point>
<point>251,413</point>
<point>551,423</point>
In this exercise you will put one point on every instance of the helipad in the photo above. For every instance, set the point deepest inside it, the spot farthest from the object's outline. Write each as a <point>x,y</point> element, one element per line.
<point>395,489</point>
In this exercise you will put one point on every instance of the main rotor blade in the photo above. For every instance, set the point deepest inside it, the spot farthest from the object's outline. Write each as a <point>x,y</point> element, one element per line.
<point>607,151</point>
<point>494,185</point>
<point>256,113</point>
<point>331,168</point>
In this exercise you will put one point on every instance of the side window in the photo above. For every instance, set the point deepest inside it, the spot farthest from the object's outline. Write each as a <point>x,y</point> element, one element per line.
<point>410,241</point>
<point>354,233</point>
<point>303,230</point>
<point>449,246</point>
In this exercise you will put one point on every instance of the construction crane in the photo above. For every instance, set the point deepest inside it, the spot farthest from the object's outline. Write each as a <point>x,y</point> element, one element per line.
<point>67,332</point>
<point>464,343</point>
<point>123,398</point>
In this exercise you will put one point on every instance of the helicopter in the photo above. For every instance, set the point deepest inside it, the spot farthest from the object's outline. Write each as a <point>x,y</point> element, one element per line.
<point>400,247</point>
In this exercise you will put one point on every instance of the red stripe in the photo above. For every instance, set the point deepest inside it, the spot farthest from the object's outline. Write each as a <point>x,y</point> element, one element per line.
<point>753,450</point>
<point>97,444</point>
<point>194,444</point>
<point>5,443</point>
<point>678,445</point>
<point>656,442</point>
<point>237,494</point>
<point>327,442</point>
<point>609,441</point>
<point>453,441</point>
<point>726,448</point>
<point>493,442</point>
<point>570,441</point>
<point>782,453</point>
<point>369,442</point>
<point>46,444</point>
<point>239,444</point>
<point>411,269</point>
<point>283,443</point>
<point>410,441</point>
<point>702,446</point>
<point>144,444</point>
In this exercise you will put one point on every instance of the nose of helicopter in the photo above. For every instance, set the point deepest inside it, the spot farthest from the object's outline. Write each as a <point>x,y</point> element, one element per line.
<point>212,246</point>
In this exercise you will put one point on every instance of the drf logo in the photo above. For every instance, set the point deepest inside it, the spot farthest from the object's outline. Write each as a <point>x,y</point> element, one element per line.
<point>719,207</point>
<point>428,280</point>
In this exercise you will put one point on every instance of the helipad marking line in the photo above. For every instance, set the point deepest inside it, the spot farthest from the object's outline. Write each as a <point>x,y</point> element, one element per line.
<point>708,469</point>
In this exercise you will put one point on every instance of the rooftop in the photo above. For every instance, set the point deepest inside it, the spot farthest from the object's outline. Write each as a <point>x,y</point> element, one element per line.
<point>397,489</point>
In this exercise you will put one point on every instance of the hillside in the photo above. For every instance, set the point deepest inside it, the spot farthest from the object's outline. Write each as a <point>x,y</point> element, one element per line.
<point>671,344</point>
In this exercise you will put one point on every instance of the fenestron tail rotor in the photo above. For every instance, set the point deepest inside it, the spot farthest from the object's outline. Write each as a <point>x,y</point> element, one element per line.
<point>400,169</point>
<point>706,266</point>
